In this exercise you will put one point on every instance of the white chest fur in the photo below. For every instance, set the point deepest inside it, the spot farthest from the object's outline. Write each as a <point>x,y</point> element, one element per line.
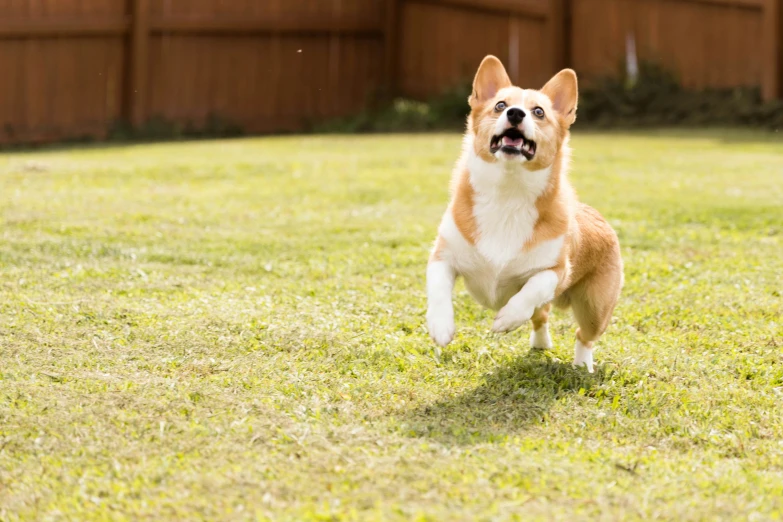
<point>497,266</point>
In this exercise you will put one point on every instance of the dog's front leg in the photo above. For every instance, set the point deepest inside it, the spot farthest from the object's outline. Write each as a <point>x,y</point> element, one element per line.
<point>539,290</point>
<point>440,310</point>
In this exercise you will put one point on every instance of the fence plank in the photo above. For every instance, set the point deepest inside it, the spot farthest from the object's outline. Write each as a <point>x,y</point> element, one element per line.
<point>530,8</point>
<point>253,25</point>
<point>390,42</point>
<point>556,21</point>
<point>56,27</point>
<point>740,4</point>
<point>772,55</point>
<point>139,63</point>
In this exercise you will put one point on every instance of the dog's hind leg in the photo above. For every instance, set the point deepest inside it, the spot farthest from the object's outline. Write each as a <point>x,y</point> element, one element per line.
<point>593,301</point>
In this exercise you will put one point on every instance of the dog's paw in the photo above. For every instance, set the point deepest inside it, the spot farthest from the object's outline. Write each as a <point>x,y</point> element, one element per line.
<point>511,317</point>
<point>540,339</point>
<point>583,356</point>
<point>440,324</point>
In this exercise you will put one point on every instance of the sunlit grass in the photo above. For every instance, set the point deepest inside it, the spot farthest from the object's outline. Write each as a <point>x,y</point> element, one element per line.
<point>234,329</point>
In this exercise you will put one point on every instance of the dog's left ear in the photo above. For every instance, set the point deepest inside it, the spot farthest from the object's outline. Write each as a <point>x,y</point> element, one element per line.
<point>562,89</point>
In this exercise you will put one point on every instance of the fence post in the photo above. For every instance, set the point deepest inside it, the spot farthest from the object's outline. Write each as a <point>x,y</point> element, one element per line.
<point>390,42</point>
<point>772,54</point>
<point>138,70</point>
<point>559,36</point>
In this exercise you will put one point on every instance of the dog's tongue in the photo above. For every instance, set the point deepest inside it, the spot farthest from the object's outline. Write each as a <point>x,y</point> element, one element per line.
<point>513,143</point>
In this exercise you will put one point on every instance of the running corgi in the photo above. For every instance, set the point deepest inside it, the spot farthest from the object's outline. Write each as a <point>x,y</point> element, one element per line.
<point>514,229</point>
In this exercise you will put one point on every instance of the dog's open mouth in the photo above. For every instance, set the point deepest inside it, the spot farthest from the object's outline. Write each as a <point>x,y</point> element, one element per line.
<point>512,141</point>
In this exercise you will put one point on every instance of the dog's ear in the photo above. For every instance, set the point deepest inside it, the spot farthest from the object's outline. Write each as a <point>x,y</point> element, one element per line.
<point>490,78</point>
<point>563,90</point>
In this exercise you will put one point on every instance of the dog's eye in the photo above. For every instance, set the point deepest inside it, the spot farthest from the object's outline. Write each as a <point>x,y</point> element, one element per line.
<point>539,112</point>
<point>500,107</point>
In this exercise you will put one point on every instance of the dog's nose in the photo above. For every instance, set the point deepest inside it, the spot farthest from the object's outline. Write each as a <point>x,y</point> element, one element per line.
<point>515,116</point>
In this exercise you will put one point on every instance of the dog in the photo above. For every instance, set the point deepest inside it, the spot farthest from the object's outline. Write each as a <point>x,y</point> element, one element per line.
<point>514,228</point>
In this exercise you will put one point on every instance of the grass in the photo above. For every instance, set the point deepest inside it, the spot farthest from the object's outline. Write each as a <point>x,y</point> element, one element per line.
<point>235,330</point>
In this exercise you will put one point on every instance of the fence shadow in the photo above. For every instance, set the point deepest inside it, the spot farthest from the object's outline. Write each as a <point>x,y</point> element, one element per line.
<point>511,399</point>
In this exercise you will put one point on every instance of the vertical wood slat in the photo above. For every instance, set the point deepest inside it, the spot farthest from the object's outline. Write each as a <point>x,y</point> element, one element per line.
<point>556,22</point>
<point>139,63</point>
<point>779,94</point>
<point>391,42</point>
<point>513,49</point>
<point>772,54</point>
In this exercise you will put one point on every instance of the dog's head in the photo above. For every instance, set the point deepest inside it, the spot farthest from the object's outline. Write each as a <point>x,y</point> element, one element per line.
<point>527,126</point>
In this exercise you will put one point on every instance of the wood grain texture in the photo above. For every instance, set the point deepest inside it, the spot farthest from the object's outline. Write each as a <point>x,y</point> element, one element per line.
<point>77,67</point>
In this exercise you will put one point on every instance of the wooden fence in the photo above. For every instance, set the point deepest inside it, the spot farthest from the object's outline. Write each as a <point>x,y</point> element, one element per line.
<point>709,43</point>
<point>441,42</point>
<point>71,68</point>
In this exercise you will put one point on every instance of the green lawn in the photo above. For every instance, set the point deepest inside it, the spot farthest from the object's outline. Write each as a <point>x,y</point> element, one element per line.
<point>235,330</point>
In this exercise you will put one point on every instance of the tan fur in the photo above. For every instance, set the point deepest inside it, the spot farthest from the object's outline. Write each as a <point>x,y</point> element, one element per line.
<point>541,316</point>
<point>462,205</point>
<point>589,269</point>
<point>552,209</point>
<point>596,275</point>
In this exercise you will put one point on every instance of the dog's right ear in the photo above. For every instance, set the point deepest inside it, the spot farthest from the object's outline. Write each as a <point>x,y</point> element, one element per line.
<point>490,78</point>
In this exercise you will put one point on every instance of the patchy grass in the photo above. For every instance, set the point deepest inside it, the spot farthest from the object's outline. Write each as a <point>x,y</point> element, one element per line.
<point>235,330</point>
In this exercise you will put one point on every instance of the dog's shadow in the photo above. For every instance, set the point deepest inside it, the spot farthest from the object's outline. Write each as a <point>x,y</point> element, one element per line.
<point>511,399</point>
